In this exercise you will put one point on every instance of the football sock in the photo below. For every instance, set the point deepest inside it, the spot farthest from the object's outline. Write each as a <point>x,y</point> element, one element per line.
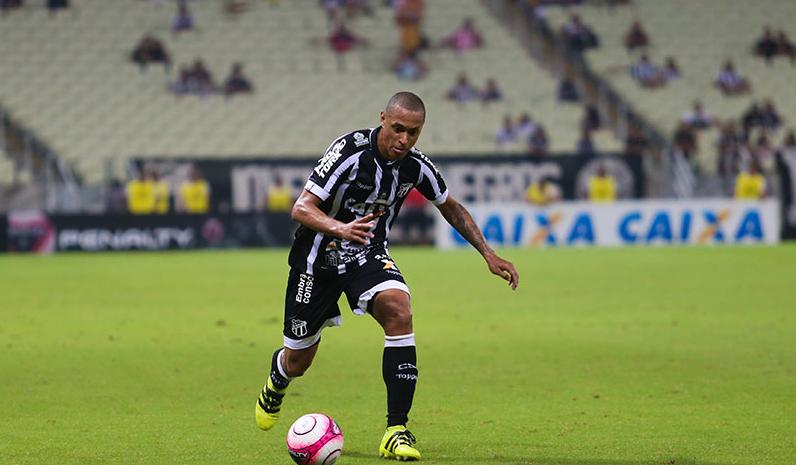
<point>278,377</point>
<point>399,369</point>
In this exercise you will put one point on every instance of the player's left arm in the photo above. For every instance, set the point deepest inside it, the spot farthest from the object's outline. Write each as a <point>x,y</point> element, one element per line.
<point>458,217</point>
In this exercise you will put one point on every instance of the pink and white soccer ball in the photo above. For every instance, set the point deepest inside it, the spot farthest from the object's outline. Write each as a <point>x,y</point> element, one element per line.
<point>315,439</point>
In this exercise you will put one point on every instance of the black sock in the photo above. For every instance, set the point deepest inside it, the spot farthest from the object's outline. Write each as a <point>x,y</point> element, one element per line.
<point>399,369</point>
<point>278,377</point>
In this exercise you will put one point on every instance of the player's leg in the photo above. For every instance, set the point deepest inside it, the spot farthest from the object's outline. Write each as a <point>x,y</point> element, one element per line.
<point>310,306</point>
<point>391,308</point>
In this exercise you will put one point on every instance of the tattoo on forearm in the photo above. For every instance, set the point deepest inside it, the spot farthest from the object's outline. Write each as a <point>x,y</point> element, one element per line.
<point>460,219</point>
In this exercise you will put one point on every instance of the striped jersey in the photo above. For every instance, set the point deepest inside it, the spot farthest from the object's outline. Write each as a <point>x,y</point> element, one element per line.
<point>353,180</point>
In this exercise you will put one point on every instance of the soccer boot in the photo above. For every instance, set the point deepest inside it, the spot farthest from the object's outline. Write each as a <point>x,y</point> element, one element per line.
<point>266,411</point>
<point>397,444</point>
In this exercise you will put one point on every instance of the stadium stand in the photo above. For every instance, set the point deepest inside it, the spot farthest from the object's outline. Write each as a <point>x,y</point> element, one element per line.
<point>69,79</point>
<point>713,31</point>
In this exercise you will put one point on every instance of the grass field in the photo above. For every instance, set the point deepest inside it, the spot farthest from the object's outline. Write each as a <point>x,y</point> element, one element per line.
<point>676,356</point>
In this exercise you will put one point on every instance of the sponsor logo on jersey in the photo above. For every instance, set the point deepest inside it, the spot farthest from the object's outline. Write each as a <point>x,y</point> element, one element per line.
<point>299,327</point>
<point>328,160</point>
<point>427,160</point>
<point>364,186</point>
<point>304,292</point>
<point>389,265</point>
<point>404,189</point>
<point>360,139</point>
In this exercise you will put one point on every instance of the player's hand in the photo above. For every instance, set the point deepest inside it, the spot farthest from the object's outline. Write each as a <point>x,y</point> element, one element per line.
<point>503,268</point>
<point>359,230</point>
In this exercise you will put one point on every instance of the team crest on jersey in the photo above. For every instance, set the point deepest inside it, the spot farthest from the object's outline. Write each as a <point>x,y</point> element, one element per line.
<point>299,327</point>
<point>404,189</point>
<point>360,139</point>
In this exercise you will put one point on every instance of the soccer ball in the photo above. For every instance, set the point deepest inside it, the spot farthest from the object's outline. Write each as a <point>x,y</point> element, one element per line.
<point>314,439</point>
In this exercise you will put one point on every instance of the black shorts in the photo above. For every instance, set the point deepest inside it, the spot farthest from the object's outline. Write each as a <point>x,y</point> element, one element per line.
<point>311,300</point>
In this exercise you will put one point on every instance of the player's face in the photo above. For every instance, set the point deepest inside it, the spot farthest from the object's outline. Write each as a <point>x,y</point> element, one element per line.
<point>400,129</point>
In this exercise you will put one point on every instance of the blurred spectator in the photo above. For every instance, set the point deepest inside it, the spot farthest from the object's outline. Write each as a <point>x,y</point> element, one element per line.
<point>141,195</point>
<point>333,9</point>
<point>161,191</point>
<point>769,116</point>
<point>602,186</point>
<point>585,145</point>
<point>671,70</point>
<point>150,50</point>
<point>766,117</point>
<point>409,18</point>
<point>237,82</point>
<point>55,5</point>
<point>728,146</point>
<point>117,198</point>
<point>636,37</point>
<point>343,40</point>
<point>195,80</point>
<point>685,139</point>
<point>647,74</point>
<point>750,183</point>
<point>506,134</point>
<point>698,118</point>
<point>525,127</point>
<point>409,67</point>
<point>539,143</point>
<point>785,46</point>
<point>491,92</point>
<point>194,193</point>
<point>279,197</point>
<point>767,46</point>
<point>730,82</point>
<point>183,19</point>
<point>414,219</point>
<point>542,192</point>
<point>764,153</point>
<point>635,142</point>
<point>567,91</point>
<point>464,38</point>
<point>233,8</point>
<point>579,36</point>
<point>591,118</point>
<point>462,91</point>
<point>7,5</point>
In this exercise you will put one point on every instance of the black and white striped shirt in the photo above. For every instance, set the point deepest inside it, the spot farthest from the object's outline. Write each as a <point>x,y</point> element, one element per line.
<point>353,180</point>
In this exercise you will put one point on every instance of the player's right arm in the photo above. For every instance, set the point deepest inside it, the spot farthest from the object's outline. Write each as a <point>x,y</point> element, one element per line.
<point>308,213</point>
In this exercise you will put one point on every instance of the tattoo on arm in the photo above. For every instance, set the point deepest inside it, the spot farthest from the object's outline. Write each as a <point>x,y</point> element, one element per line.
<point>460,219</point>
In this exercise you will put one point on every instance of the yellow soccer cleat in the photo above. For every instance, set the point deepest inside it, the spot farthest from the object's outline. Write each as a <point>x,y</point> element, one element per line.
<point>266,410</point>
<point>397,444</point>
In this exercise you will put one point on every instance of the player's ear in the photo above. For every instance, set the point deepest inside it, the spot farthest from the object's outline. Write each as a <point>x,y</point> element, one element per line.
<point>381,117</point>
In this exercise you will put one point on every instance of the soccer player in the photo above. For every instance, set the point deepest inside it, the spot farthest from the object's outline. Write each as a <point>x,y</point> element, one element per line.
<point>345,211</point>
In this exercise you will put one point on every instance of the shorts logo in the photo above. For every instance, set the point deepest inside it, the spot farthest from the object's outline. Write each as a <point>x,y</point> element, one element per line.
<point>404,189</point>
<point>304,292</point>
<point>299,327</point>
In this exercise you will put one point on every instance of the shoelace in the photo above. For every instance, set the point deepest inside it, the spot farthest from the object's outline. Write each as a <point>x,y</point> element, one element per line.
<point>406,436</point>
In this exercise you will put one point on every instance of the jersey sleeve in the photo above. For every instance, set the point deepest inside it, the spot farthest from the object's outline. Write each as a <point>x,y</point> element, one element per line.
<point>431,183</point>
<point>331,169</point>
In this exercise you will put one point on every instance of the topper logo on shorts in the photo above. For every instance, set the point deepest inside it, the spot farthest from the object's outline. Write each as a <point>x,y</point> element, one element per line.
<point>299,327</point>
<point>304,292</point>
<point>325,164</point>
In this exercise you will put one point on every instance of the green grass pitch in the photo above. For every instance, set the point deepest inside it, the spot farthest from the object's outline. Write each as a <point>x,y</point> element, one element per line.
<point>658,356</point>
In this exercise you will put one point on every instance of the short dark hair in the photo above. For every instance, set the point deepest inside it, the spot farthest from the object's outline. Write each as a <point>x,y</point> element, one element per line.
<point>407,101</point>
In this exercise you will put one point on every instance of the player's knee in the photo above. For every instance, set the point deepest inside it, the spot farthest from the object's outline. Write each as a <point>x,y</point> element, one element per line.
<point>296,364</point>
<point>394,312</point>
